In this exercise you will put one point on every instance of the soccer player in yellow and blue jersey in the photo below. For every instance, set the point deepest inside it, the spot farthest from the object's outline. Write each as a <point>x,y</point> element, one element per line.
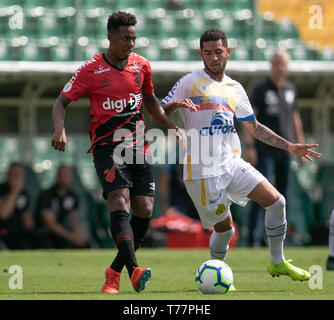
<point>215,174</point>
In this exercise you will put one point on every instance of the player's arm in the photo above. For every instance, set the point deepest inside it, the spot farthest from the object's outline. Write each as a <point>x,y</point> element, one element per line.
<point>298,126</point>
<point>152,105</point>
<point>59,138</point>
<point>299,131</point>
<point>54,226</point>
<point>7,206</point>
<point>181,103</point>
<point>267,136</point>
<point>28,220</point>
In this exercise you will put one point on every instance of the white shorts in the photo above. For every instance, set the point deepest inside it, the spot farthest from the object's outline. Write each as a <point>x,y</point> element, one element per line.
<point>213,197</point>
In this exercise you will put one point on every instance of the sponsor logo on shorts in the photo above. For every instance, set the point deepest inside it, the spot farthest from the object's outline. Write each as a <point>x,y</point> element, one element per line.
<point>213,201</point>
<point>221,209</point>
<point>220,124</point>
<point>152,186</point>
<point>110,174</point>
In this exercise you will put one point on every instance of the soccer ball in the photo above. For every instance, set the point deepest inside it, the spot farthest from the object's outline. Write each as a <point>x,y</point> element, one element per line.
<point>214,276</point>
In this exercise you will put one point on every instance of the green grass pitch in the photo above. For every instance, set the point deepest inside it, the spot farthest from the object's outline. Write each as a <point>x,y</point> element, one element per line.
<point>79,275</point>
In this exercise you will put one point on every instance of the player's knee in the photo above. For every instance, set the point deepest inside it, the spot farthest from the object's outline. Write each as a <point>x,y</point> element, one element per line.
<point>278,208</point>
<point>224,226</point>
<point>143,207</point>
<point>118,202</point>
<point>145,211</point>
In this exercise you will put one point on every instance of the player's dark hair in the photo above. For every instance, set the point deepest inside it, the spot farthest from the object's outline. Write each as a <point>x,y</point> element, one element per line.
<point>120,18</point>
<point>213,35</point>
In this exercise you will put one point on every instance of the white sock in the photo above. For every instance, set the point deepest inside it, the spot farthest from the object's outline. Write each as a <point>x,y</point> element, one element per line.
<point>331,235</point>
<point>275,225</point>
<point>219,244</point>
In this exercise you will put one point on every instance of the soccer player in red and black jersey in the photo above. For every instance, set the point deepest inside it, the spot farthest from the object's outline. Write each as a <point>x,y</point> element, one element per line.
<point>118,84</point>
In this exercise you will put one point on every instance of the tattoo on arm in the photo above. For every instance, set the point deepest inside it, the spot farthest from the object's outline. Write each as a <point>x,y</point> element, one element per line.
<point>267,136</point>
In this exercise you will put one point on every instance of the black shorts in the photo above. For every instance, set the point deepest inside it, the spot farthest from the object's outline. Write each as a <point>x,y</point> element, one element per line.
<point>137,177</point>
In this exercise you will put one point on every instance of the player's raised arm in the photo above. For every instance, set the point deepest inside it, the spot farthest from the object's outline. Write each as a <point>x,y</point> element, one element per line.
<point>267,136</point>
<point>181,103</point>
<point>58,115</point>
<point>154,108</point>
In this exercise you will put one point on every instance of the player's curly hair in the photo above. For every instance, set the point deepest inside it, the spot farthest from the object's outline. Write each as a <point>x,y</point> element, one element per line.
<point>213,35</point>
<point>120,18</point>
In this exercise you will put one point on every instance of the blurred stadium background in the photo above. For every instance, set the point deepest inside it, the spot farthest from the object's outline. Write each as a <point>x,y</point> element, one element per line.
<point>42,42</point>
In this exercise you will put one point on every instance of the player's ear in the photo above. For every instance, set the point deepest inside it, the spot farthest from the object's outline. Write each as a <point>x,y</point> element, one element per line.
<point>229,51</point>
<point>109,36</point>
<point>200,53</point>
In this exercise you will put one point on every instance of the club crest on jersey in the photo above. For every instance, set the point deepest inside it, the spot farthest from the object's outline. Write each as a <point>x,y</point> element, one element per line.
<point>68,86</point>
<point>220,124</point>
<point>120,104</point>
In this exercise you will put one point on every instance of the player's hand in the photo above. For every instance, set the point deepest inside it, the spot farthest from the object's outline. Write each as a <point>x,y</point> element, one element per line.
<point>186,103</point>
<point>304,150</point>
<point>59,139</point>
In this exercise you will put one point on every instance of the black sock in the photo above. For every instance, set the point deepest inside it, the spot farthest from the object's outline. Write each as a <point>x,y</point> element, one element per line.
<point>139,228</point>
<point>123,237</point>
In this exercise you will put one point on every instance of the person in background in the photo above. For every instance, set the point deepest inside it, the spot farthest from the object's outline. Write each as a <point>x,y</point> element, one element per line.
<point>16,221</point>
<point>274,103</point>
<point>330,259</point>
<point>58,214</point>
<point>175,5</point>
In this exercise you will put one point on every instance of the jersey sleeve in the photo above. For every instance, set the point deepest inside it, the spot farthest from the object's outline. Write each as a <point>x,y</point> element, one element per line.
<point>78,85</point>
<point>244,110</point>
<point>147,86</point>
<point>181,90</point>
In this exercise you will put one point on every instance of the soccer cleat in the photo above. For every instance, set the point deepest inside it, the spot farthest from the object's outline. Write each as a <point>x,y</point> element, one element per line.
<point>111,284</point>
<point>286,268</point>
<point>139,278</point>
<point>330,263</point>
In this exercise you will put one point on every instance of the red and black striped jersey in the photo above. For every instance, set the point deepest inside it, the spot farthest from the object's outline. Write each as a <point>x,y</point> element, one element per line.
<point>115,97</point>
